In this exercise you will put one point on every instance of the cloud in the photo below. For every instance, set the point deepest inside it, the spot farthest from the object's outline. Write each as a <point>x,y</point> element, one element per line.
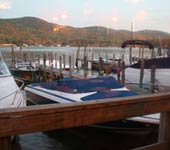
<point>134,1</point>
<point>87,10</point>
<point>5,4</point>
<point>141,15</point>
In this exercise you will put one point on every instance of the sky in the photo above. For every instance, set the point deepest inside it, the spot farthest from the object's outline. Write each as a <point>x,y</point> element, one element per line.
<point>115,14</point>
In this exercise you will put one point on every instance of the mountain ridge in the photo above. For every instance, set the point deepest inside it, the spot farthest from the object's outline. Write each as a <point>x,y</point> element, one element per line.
<point>32,31</point>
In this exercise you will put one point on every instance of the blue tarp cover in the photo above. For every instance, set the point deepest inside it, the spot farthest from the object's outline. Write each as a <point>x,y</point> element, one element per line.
<point>81,85</point>
<point>108,94</point>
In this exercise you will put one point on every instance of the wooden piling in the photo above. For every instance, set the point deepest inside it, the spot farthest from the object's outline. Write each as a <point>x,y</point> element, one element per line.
<point>60,64</point>
<point>44,64</point>
<point>25,57</point>
<point>113,59</point>
<point>153,68</point>
<point>118,70</point>
<point>52,59</point>
<point>130,55</point>
<point>142,63</point>
<point>70,70</point>
<point>64,61</point>
<point>73,61</point>
<point>139,52</point>
<point>55,55</point>
<point>142,57</point>
<point>92,62</point>
<point>20,50</point>
<point>5,143</point>
<point>123,73</point>
<point>164,128</point>
<point>13,55</point>
<point>77,57</point>
<point>106,56</point>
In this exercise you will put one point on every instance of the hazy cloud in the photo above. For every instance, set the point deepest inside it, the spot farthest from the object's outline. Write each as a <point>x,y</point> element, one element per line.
<point>87,10</point>
<point>134,1</point>
<point>5,4</point>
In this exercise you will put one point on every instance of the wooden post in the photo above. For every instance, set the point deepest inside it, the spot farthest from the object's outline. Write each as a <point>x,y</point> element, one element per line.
<point>113,59</point>
<point>106,56</point>
<point>49,58</point>
<point>92,61</point>
<point>85,63</point>
<point>123,73</point>
<point>164,128</point>
<point>130,55</point>
<point>52,61</point>
<point>77,57</point>
<point>5,143</point>
<point>38,60</point>
<point>25,57</point>
<point>20,48</point>
<point>60,64</point>
<point>64,62</point>
<point>13,55</point>
<point>85,52</point>
<point>39,72</point>
<point>32,58</point>
<point>142,52</point>
<point>139,52</point>
<point>55,60</point>
<point>101,66</point>
<point>142,66</point>
<point>85,66</point>
<point>44,64</point>
<point>118,70</point>
<point>152,53</point>
<point>44,60</point>
<point>70,66</point>
<point>153,67</point>
<point>72,61</point>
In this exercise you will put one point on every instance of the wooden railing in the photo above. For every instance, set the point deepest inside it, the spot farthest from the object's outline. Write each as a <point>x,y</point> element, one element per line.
<point>58,116</point>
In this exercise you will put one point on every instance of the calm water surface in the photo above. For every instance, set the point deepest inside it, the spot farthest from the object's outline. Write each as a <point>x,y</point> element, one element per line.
<point>82,138</point>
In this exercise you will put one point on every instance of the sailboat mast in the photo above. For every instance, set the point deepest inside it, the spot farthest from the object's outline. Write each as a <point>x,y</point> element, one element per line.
<point>130,48</point>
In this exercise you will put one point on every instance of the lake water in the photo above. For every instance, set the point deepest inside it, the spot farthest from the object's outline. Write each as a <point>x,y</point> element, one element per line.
<point>82,138</point>
<point>104,52</point>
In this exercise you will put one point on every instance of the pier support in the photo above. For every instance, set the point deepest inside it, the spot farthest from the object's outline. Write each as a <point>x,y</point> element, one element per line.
<point>5,143</point>
<point>164,128</point>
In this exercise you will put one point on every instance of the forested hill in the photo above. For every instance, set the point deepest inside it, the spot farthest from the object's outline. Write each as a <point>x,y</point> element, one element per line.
<point>32,31</point>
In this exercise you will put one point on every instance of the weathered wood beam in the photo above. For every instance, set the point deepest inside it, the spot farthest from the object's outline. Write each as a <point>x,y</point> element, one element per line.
<point>57,116</point>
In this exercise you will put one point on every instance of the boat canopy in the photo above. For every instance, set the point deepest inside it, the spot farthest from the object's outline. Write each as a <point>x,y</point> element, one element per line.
<point>137,42</point>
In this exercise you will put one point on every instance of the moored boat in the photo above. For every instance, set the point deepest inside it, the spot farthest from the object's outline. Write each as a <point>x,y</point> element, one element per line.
<point>10,93</point>
<point>161,64</point>
<point>26,71</point>
<point>77,90</point>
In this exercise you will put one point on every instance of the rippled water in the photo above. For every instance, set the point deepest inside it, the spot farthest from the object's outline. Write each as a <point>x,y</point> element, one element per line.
<point>83,138</point>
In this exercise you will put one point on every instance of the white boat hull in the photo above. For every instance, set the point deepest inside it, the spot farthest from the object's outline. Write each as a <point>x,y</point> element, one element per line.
<point>11,95</point>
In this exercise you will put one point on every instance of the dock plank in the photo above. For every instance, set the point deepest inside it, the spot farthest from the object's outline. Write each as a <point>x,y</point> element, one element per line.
<point>58,116</point>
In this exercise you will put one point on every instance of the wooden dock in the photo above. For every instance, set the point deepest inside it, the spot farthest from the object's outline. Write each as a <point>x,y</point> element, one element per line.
<point>37,118</point>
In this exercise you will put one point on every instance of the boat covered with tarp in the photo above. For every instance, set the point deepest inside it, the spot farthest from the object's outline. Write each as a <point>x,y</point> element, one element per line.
<point>75,90</point>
